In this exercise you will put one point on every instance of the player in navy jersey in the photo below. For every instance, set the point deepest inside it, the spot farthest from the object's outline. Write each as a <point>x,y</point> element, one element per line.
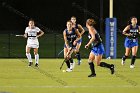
<point>97,49</point>
<point>71,37</point>
<point>131,41</point>
<point>81,30</point>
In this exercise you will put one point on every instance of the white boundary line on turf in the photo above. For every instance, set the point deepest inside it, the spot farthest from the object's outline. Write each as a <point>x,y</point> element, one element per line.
<point>96,86</point>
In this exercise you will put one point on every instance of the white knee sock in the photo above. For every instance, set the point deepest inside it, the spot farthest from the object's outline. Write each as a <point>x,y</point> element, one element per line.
<point>29,57</point>
<point>36,58</point>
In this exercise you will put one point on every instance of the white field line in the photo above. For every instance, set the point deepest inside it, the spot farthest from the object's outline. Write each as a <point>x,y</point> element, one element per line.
<point>96,86</point>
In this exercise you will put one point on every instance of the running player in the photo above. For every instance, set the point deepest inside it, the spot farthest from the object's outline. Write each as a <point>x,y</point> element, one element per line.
<point>32,33</point>
<point>97,49</point>
<point>71,37</point>
<point>131,41</point>
<point>81,30</point>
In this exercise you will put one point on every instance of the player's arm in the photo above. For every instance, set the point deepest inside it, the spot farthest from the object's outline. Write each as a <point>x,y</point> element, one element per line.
<point>40,33</point>
<point>25,35</point>
<point>65,39</point>
<point>92,33</point>
<point>78,35</point>
<point>81,29</point>
<point>125,31</point>
<point>139,29</point>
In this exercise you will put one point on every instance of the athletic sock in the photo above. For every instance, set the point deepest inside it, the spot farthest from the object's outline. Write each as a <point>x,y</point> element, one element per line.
<point>133,60</point>
<point>68,63</point>
<point>78,56</point>
<point>36,58</point>
<point>103,64</point>
<point>29,57</point>
<point>124,57</point>
<point>91,65</point>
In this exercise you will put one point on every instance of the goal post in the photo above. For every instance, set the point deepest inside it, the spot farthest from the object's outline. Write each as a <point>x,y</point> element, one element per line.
<point>111,34</point>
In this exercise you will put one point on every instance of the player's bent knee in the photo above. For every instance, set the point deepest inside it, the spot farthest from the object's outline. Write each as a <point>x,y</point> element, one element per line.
<point>65,57</point>
<point>90,60</point>
<point>35,53</point>
<point>98,63</point>
<point>77,50</point>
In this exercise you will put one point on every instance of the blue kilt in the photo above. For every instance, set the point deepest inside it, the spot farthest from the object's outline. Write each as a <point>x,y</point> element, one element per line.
<point>98,50</point>
<point>79,41</point>
<point>129,43</point>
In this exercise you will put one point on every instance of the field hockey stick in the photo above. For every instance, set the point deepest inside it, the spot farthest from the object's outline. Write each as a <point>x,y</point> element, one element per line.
<point>60,52</point>
<point>19,35</point>
<point>24,36</point>
<point>62,64</point>
<point>65,59</point>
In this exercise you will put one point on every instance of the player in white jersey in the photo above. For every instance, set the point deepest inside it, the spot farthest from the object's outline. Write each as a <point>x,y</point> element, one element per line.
<point>32,33</point>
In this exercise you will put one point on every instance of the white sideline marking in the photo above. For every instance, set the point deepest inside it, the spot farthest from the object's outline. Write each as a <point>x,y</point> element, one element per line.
<point>125,86</point>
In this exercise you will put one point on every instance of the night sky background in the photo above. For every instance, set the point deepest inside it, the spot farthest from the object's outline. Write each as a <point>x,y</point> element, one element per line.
<point>53,14</point>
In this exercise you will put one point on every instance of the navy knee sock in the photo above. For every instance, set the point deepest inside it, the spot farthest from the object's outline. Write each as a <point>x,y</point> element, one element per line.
<point>91,65</point>
<point>133,60</point>
<point>78,56</point>
<point>124,57</point>
<point>103,64</point>
<point>68,63</point>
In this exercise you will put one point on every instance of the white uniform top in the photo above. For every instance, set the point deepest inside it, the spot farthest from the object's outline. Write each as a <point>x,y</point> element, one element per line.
<point>32,41</point>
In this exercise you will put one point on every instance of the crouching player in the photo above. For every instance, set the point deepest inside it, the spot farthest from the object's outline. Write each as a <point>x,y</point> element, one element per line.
<point>71,36</point>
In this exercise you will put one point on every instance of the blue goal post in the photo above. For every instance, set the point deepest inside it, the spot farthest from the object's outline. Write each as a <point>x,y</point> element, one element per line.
<point>111,38</point>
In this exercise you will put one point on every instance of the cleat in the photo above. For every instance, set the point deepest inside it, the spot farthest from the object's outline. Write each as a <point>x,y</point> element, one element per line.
<point>92,75</point>
<point>112,69</point>
<point>30,64</point>
<point>68,70</point>
<point>132,66</point>
<point>72,65</point>
<point>36,65</point>
<point>123,62</point>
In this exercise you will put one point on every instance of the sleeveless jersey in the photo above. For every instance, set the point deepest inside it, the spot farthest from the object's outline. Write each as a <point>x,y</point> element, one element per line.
<point>134,31</point>
<point>71,36</point>
<point>97,40</point>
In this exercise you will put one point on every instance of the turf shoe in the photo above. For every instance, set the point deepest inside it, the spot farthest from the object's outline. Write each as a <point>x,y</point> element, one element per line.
<point>132,66</point>
<point>92,75</point>
<point>68,70</point>
<point>30,64</point>
<point>36,65</point>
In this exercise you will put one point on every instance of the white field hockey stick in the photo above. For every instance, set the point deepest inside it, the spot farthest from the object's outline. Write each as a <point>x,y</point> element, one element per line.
<point>19,35</point>
<point>23,36</point>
